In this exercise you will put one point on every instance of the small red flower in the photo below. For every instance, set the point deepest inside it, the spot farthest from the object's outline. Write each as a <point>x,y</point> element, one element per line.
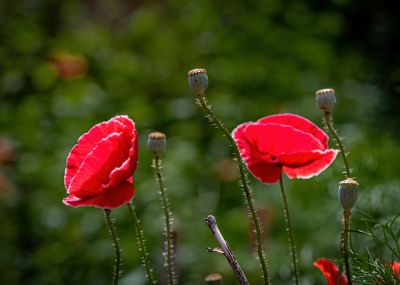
<point>285,142</point>
<point>330,271</point>
<point>100,166</point>
<point>396,267</point>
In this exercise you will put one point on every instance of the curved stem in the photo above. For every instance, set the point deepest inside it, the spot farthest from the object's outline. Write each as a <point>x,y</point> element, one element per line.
<point>111,226</point>
<point>329,124</point>
<point>142,245</point>
<point>345,250</point>
<point>167,215</point>
<point>290,233</point>
<point>201,100</point>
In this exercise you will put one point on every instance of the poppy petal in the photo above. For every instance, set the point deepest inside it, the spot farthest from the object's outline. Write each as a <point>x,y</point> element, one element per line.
<point>330,271</point>
<point>261,165</point>
<point>313,168</point>
<point>128,167</point>
<point>268,173</point>
<point>273,139</point>
<point>292,143</point>
<point>94,172</point>
<point>300,159</point>
<point>299,123</point>
<point>110,199</point>
<point>88,141</point>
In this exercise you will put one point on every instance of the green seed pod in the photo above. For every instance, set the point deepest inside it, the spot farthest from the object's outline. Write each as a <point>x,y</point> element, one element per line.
<point>157,142</point>
<point>198,80</point>
<point>326,99</point>
<point>348,193</point>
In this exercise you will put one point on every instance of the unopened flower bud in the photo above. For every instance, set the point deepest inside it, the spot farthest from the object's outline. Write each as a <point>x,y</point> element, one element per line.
<point>326,99</point>
<point>198,80</point>
<point>157,142</point>
<point>348,193</point>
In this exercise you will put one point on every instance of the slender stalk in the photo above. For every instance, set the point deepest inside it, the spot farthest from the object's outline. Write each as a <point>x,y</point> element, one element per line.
<point>212,224</point>
<point>290,233</point>
<point>340,271</point>
<point>142,245</point>
<point>201,100</point>
<point>346,225</point>
<point>329,124</point>
<point>113,232</point>
<point>344,245</point>
<point>167,214</point>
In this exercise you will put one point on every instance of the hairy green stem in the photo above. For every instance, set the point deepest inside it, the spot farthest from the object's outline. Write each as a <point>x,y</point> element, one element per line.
<point>329,124</point>
<point>344,244</point>
<point>142,245</point>
<point>290,233</point>
<point>345,250</point>
<point>201,100</point>
<point>113,232</point>
<point>172,280</point>
<point>340,271</point>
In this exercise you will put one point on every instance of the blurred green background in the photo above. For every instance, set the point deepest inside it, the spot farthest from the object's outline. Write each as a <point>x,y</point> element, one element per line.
<point>67,65</point>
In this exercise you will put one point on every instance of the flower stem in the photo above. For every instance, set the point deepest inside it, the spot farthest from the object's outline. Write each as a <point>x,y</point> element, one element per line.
<point>113,232</point>
<point>212,224</point>
<point>142,245</point>
<point>201,100</point>
<point>290,233</point>
<point>167,214</point>
<point>345,244</point>
<point>329,123</point>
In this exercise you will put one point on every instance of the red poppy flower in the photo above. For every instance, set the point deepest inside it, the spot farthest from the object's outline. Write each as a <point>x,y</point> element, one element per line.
<point>396,267</point>
<point>100,167</point>
<point>330,271</point>
<point>284,142</point>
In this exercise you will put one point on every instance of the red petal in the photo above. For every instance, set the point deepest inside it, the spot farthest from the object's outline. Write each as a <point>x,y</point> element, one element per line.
<point>299,123</point>
<point>259,164</point>
<point>273,139</point>
<point>128,167</point>
<point>396,267</point>
<point>110,199</point>
<point>94,173</point>
<point>318,161</point>
<point>268,173</point>
<point>330,271</point>
<point>89,140</point>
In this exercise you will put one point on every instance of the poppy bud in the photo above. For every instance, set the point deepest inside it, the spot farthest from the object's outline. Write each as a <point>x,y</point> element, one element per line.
<point>198,80</point>
<point>348,193</point>
<point>157,142</point>
<point>326,99</point>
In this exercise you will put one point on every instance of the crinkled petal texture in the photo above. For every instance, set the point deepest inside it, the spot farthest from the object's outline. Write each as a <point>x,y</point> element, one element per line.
<point>285,142</point>
<point>330,271</point>
<point>100,166</point>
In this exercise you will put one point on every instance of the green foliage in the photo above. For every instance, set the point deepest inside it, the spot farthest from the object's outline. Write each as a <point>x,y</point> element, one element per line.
<point>377,270</point>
